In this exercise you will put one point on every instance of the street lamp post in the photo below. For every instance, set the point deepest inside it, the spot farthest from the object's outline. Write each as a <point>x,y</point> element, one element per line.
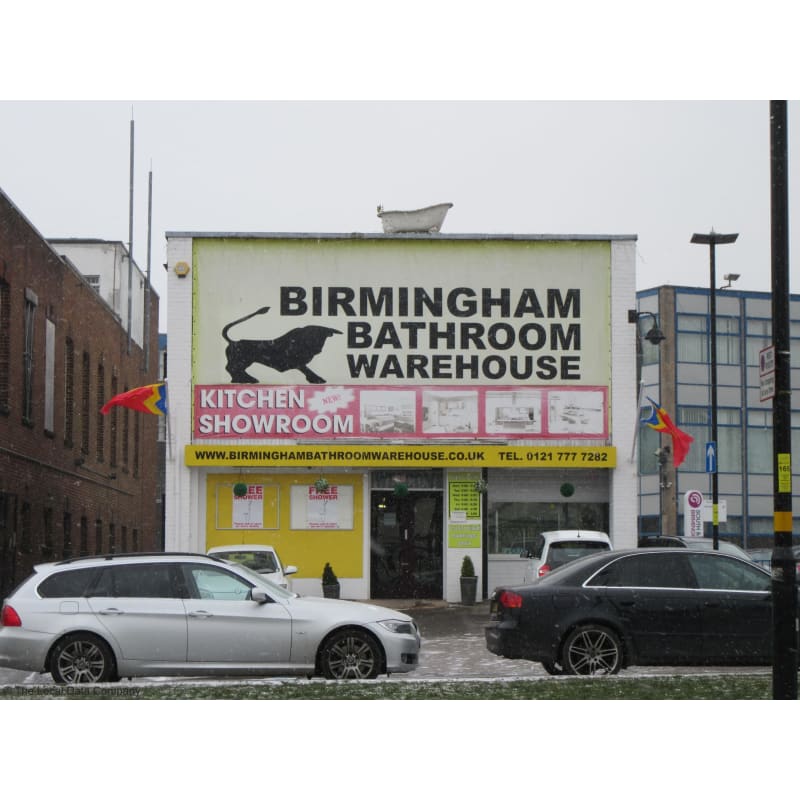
<point>712,239</point>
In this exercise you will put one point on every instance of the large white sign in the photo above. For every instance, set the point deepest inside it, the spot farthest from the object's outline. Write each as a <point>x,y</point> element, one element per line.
<point>433,312</point>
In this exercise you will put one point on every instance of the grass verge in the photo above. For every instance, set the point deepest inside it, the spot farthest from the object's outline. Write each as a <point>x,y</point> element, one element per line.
<point>690,687</point>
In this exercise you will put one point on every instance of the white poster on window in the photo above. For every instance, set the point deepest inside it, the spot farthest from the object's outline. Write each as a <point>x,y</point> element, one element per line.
<point>328,510</point>
<point>248,510</point>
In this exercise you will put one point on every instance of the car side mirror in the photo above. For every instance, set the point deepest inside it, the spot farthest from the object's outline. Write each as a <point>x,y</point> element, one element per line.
<point>525,554</point>
<point>259,596</point>
<point>289,570</point>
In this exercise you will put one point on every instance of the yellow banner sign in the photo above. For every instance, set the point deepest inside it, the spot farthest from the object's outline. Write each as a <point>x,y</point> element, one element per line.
<point>422,456</point>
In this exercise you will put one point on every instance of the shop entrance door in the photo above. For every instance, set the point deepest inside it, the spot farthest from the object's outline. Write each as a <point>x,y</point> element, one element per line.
<point>406,545</point>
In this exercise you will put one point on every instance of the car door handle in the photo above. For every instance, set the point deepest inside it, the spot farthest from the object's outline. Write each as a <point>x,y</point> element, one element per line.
<point>200,614</point>
<point>111,611</point>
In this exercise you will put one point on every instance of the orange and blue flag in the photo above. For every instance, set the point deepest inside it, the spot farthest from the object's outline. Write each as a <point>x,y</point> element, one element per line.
<point>150,399</point>
<point>660,421</point>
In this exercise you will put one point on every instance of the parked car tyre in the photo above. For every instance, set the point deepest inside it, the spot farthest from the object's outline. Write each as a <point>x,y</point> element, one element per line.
<point>82,658</point>
<point>592,650</point>
<point>351,653</point>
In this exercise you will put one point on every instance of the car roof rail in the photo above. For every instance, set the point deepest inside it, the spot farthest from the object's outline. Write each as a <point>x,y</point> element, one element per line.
<point>113,556</point>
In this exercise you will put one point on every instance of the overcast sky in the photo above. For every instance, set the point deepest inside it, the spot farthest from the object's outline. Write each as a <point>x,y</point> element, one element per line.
<point>658,169</point>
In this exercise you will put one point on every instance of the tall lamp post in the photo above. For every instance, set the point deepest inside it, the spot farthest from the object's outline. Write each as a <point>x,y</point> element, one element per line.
<point>712,240</point>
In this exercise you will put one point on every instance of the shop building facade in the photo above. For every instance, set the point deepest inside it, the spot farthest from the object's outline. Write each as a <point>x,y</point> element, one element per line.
<point>389,404</point>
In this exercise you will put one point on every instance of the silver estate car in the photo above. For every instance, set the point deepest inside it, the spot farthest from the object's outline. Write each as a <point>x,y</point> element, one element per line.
<point>102,618</point>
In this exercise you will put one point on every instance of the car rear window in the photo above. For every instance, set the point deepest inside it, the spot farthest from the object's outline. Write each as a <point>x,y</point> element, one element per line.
<point>69,583</point>
<point>563,552</point>
<point>258,560</point>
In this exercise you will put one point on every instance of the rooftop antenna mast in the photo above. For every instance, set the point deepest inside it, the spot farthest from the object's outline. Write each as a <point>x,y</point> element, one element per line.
<point>147,281</point>
<point>130,243</point>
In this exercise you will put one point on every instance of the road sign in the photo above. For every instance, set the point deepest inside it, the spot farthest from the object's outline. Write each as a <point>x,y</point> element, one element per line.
<point>766,360</point>
<point>766,373</point>
<point>711,457</point>
<point>693,513</point>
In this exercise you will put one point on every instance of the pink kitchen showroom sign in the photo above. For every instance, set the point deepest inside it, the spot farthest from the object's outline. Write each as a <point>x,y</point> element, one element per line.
<point>380,412</point>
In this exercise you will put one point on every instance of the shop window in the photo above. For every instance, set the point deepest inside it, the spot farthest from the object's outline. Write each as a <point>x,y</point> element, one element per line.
<point>512,526</point>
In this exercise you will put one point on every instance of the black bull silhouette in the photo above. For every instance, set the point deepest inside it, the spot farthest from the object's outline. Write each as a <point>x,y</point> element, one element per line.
<point>292,350</point>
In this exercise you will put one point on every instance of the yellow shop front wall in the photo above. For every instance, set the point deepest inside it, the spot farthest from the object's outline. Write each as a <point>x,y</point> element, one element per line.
<point>276,523</point>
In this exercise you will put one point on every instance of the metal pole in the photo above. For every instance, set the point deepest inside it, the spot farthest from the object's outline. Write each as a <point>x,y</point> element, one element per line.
<point>784,595</point>
<point>147,282</point>
<point>712,239</point>
<point>712,299</point>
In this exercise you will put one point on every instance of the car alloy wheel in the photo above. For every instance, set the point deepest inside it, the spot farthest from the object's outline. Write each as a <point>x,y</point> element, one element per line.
<point>351,654</point>
<point>592,650</point>
<point>82,658</point>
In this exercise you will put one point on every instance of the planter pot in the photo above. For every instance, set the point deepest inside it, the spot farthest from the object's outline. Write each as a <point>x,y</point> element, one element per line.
<point>469,588</point>
<point>330,590</point>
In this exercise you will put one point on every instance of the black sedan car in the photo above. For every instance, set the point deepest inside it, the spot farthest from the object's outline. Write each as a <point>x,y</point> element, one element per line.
<point>654,606</point>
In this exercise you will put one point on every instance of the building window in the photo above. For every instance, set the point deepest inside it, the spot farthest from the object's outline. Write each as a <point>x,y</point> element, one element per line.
<point>696,421</point>
<point>693,341</point>
<point>124,539</point>
<point>112,535</point>
<point>69,392</point>
<point>67,534</point>
<point>137,435</point>
<point>93,281</point>
<point>85,404</point>
<point>5,345</point>
<point>126,436</point>
<point>47,535</point>
<point>98,536</point>
<point>49,374</point>
<point>759,442</point>
<point>25,532</point>
<point>84,534</point>
<point>112,453</point>
<point>31,301</point>
<point>101,419</point>
<point>135,542</point>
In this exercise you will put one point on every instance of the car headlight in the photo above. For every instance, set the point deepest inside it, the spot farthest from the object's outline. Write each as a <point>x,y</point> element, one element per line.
<point>399,626</point>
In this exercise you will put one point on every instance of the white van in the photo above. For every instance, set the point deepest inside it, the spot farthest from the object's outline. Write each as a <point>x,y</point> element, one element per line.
<point>551,549</point>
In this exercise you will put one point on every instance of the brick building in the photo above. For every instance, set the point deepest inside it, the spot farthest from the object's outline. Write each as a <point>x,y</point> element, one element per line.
<point>72,481</point>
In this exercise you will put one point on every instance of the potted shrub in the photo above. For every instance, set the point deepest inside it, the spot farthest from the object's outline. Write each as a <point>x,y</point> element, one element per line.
<point>469,582</point>
<point>330,583</point>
